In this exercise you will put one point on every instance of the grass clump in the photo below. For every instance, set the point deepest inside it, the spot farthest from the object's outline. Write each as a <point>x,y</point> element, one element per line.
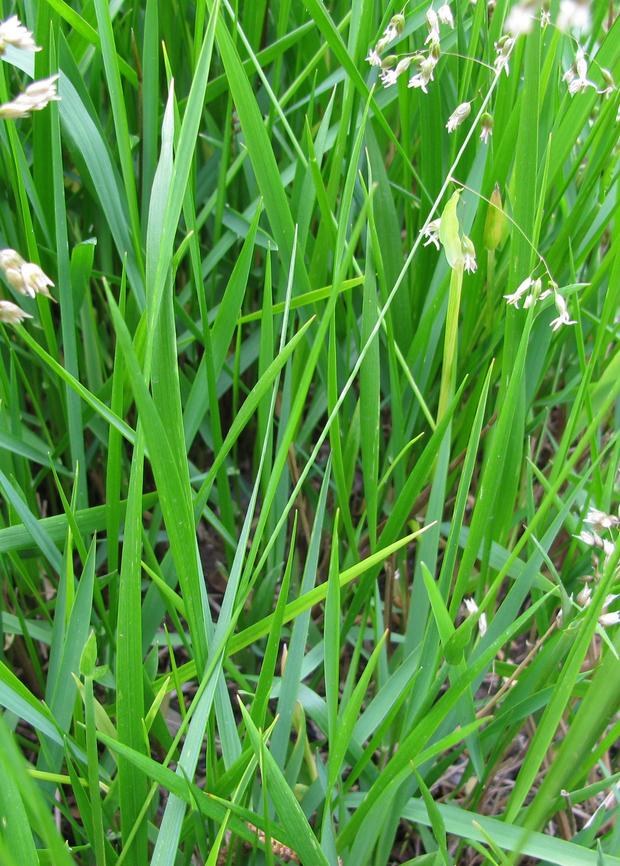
<point>308,422</point>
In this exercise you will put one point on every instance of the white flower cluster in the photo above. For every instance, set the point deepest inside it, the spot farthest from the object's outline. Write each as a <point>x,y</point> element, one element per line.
<point>584,600</point>
<point>13,32</point>
<point>35,97</point>
<point>38,94</point>
<point>394,29</point>
<point>26,278</point>
<point>563,317</point>
<point>392,67</point>
<point>11,314</point>
<point>601,522</point>
<point>575,77</point>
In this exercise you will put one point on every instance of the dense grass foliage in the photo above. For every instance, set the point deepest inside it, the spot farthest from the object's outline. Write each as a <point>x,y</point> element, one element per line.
<point>309,393</point>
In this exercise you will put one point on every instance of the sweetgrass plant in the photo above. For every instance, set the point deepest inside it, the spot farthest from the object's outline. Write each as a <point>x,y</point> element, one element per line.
<point>308,421</point>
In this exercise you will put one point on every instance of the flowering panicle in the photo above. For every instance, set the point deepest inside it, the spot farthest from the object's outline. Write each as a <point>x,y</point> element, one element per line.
<point>392,68</point>
<point>536,295</point>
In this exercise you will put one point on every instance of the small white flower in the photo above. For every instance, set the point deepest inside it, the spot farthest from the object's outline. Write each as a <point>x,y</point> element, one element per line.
<point>471,605</point>
<point>390,76</point>
<point>394,28</point>
<point>545,18</point>
<point>13,32</point>
<point>432,232</point>
<point>609,599</point>
<point>590,538</point>
<point>608,547</point>
<point>503,48</point>
<point>601,521</point>
<point>12,314</point>
<point>563,318</point>
<point>35,97</point>
<point>458,116</point>
<point>585,597</point>
<point>432,23</point>
<point>608,80</point>
<point>35,280</point>
<point>486,123</point>
<point>25,277</point>
<point>424,75</point>
<point>579,85</point>
<point>519,292</point>
<point>472,608</point>
<point>373,58</point>
<point>469,255</point>
<point>606,619</point>
<point>444,13</point>
<point>520,20</point>
<point>573,15</point>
